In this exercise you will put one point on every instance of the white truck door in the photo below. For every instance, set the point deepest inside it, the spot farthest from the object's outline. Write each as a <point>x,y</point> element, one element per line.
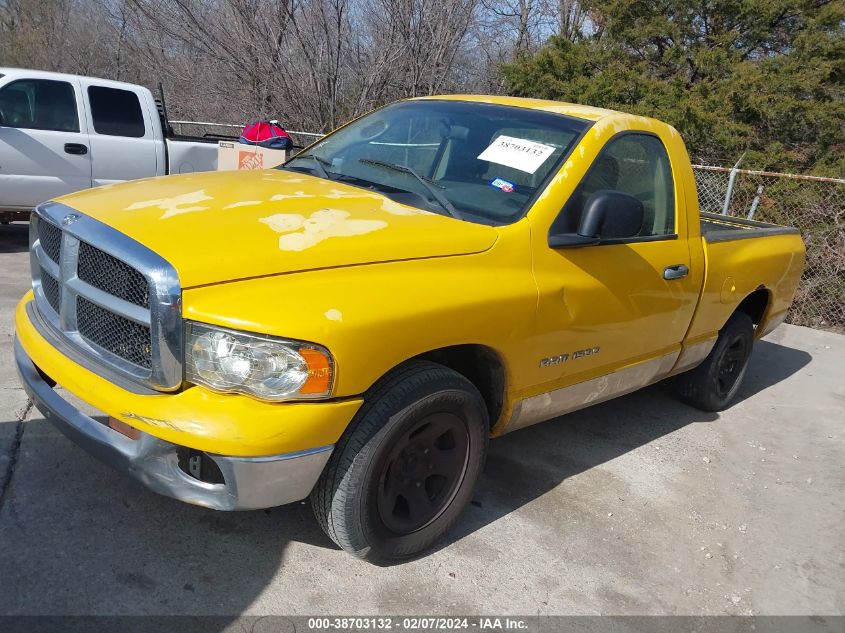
<point>122,134</point>
<point>44,150</point>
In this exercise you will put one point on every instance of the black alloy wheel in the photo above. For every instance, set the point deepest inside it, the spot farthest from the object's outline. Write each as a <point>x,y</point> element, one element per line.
<point>406,467</point>
<point>713,385</point>
<point>731,364</point>
<point>423,472</point>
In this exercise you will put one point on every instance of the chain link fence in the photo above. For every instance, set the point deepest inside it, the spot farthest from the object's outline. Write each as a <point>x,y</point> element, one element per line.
<point>815,205</point>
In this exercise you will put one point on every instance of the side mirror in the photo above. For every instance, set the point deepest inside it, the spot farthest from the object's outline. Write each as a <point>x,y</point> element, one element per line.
<point>611,214</point>
<point>607,214</point>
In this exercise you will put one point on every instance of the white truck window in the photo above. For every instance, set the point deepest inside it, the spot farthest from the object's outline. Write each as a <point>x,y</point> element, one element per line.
<point>39,104</point>
<point>116,112</point>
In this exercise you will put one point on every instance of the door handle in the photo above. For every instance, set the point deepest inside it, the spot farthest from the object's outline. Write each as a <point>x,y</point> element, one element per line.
<point>76,148</point>
<point>678,271</point>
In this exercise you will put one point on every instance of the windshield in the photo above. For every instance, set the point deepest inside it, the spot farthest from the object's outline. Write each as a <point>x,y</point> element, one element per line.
<point>479,162</point>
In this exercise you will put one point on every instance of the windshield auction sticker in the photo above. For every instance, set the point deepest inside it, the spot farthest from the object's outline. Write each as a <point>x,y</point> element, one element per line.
<point>518,153</point>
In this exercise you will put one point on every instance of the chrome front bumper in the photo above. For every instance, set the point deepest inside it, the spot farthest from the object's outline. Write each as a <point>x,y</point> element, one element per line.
<point>250,482</point>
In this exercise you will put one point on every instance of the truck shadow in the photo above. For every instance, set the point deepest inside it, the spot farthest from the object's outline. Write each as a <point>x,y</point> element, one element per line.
<point>14,237</point>
<point>80,540</point>
<point>528,463</point>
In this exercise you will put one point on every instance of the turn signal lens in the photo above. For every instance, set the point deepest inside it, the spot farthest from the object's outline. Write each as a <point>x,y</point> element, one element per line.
<point>319,371</point>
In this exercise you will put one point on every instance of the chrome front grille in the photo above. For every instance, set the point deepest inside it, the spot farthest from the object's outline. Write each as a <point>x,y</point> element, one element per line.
<point>113,276</point>
<point>111,298</point>
<point>114,333</point>
<point>52,290</point>
<point>50,237</point>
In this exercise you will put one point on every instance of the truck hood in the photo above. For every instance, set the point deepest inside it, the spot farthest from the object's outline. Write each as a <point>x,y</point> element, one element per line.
<point>224,226</point>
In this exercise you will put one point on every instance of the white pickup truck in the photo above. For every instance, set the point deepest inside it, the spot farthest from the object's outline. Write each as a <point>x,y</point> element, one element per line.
<point>62,133</point>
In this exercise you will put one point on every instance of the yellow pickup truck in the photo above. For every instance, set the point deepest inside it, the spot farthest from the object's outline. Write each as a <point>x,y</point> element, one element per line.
<point>356,324</point>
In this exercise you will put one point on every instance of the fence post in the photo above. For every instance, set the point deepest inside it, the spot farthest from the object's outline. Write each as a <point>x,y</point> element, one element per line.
<point>755,203</point>
<point>731,179</point>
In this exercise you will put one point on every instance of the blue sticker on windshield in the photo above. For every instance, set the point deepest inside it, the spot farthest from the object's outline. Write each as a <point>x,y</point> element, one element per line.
<point>502,184</point>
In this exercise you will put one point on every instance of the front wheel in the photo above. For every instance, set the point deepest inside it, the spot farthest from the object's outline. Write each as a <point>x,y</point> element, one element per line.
<point>407,467</point>
<point>713,384</point>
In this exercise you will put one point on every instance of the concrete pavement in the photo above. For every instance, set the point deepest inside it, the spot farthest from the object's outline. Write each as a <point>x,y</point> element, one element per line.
<point>637,506</point>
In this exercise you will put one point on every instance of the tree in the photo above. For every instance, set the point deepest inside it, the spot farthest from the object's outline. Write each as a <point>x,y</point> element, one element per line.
<point>762,76</point>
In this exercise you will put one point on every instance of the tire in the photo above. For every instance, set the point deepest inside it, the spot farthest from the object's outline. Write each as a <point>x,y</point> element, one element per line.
<point>395,484</point>
<point>713,384</point>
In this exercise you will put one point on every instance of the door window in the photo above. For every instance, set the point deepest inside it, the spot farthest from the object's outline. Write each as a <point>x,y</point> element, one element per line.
<point>116,112</point>
<point>39,104</point>
<point>636,164</point>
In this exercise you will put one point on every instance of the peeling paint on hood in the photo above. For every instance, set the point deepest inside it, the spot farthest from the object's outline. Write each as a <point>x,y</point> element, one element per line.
<point>223,226</point>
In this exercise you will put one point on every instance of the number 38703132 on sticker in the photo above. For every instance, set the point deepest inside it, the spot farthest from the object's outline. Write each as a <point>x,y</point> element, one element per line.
<point>517,153</point>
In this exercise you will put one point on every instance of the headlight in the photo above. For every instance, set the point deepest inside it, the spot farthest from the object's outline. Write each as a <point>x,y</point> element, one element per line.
<point>261,366</point>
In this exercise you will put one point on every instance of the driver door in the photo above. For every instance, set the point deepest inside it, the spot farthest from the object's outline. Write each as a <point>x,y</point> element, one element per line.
<point>44,149</point>
<point>609,320</point>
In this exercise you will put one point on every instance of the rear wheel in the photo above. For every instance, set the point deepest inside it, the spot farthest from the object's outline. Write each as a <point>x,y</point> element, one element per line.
<point>406,468</point>
<point>713,384</point>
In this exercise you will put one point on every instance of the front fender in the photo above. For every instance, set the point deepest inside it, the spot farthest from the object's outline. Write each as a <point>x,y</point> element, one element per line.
<point>373,317</point>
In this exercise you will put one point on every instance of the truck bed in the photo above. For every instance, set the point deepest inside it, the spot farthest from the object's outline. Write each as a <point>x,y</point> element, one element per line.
<point>743,257</point>
<point>187,155</point>
<point>722,228</point>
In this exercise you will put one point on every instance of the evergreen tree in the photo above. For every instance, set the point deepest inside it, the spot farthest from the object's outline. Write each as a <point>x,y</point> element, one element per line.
<point>762,76</point>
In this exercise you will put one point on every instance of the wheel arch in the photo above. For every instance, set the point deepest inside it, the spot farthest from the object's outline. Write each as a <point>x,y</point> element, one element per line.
<point>480,364</point>
<point>756,305</point>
